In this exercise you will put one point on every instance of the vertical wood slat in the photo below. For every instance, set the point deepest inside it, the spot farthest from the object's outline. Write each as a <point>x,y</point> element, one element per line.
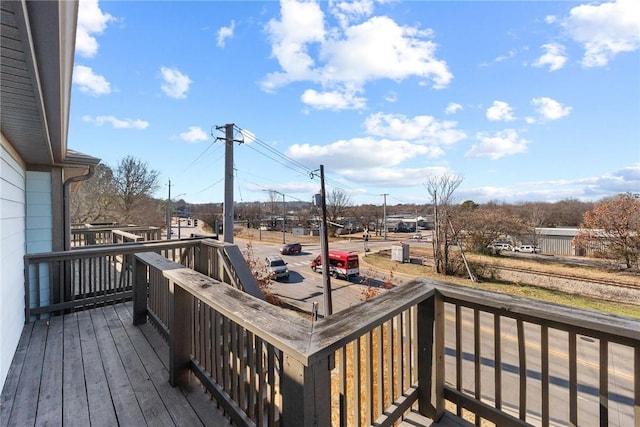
<point>342,404</point>
<point>458,355</point>
<point>271,368</point>
<point>573,379</point>
<point>369,415</point>
<point>636,384</point>
<point>604,382</point>
<point>407,346</point>
<point>356,383</point>
<point>379,349</point>
<point>251,360</point>
<point>398,345</point>
<point>522,359</point>
<point>260,345</point>
<point>497,355</point>
<point>389,361</point>
<point>476,358</point>
<point>544,355</point>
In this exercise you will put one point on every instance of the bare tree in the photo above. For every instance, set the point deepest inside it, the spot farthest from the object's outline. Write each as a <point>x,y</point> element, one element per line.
<point>441,189</point>
<point>134,182</point>
<point>92,200</point>
<point>613,227</point>
<point>338,206</point>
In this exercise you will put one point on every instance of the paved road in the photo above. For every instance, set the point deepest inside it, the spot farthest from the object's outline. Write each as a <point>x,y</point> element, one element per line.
<point>304,286</point>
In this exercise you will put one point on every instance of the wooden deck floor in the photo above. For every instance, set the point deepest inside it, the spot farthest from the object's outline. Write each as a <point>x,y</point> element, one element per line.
<point>95,368</point>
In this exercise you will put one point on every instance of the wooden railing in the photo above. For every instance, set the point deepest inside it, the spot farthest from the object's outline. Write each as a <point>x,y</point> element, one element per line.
<point>84,236</point>
<point>87,277</point>
<point>493,357</point>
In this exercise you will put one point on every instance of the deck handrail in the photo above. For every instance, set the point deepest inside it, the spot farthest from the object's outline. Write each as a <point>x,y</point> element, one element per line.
<point>412,317</point>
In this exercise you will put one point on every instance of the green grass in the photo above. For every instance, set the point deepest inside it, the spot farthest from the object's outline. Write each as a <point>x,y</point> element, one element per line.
<point>385,264</point>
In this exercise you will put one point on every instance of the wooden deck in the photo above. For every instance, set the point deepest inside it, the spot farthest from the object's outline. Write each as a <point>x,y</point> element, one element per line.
<point>95,368</point>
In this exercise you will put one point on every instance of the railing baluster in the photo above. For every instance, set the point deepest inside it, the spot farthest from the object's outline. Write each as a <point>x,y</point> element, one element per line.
<point>497,355</point>
<point>604,382</point>
<point>544,355</point>
<point>342,366</point>
<point>476,357</point>
<point>380,365</point>
<point>573,380</point>
<point>458,355</point>
<point>357,404</point>
<point>369,390</point>
<point>522,359</point>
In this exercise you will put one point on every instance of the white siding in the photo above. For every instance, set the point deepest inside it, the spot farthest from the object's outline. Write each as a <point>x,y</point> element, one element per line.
<point>12,250</point>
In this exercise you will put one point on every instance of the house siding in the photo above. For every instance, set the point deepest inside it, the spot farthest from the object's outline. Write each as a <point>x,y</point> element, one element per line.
<point>12,250</point>
<point>39,229</point>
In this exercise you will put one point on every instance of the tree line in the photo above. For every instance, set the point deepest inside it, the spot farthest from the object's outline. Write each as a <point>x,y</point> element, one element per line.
<point>610,227</point>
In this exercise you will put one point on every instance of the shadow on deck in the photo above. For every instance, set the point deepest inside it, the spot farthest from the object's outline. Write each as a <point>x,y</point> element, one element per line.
<point>95,367</point>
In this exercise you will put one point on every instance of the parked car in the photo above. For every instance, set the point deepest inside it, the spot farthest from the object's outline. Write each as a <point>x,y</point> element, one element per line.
<point>527,249</point>
<point>417,236</point>
<point>291,248</point>
<point>497,247</point>
<point>276,267</point>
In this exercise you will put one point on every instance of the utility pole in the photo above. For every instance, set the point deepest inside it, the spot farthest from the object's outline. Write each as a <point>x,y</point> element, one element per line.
<point>326,279</point>
<point>384,215</point>
<point>227,215</point>
<point>169,212</point>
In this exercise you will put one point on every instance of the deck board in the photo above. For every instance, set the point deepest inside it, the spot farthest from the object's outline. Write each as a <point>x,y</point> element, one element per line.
<point>26,397</point>
<point>50,404</point>
<point>9,390</point>
<point>101,411</point>
<point>96,368</point>
<point>74,404</point>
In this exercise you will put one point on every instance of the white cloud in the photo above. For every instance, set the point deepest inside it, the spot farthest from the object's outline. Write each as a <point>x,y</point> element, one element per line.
<point>91,21</point>
<point>604,30</point>
<point>224,33</point>
<point>349,56</point>
<point>369,152</point>
<point>89,82</point>
<point>392,177</point>
<point>500,144</point>
<point>500,111</point>
<point>420,129</point>
<point>194,134</point>
<point>176,85</point>
<point>453,108</point>
<point>116,122</point>
<point>555,57</point>
<point>589,188</point>
<point>333,100</point>
<point>391,97</point>
<point>346,12</point>
<point>550,109</point>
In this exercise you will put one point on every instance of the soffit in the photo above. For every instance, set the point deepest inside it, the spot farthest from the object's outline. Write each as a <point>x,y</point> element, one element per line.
<point>37,47</point>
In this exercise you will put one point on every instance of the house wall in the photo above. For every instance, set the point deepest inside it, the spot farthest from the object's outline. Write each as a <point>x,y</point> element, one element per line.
<point>39,229</point>
<point>12,250</point>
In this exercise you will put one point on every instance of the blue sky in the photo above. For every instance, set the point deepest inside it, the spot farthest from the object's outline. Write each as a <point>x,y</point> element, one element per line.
<point>527,101</point>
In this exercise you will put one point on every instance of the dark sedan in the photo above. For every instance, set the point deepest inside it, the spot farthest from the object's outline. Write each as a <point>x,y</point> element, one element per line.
<point>291,248</point>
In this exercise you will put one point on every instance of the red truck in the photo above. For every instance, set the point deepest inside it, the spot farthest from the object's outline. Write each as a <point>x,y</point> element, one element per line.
<point>341,264</point>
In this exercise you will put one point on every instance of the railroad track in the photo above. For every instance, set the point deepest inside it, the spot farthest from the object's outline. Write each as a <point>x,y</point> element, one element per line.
<point>602,282</point>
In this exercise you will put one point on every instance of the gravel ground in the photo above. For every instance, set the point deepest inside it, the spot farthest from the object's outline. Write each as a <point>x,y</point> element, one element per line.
<point>574,286</point>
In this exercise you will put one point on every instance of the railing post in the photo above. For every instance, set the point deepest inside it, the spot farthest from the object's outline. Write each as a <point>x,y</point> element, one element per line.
<point>306,393</point>
<point>179,335</point>
<point>431,357</point>
<point>140,285</point>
